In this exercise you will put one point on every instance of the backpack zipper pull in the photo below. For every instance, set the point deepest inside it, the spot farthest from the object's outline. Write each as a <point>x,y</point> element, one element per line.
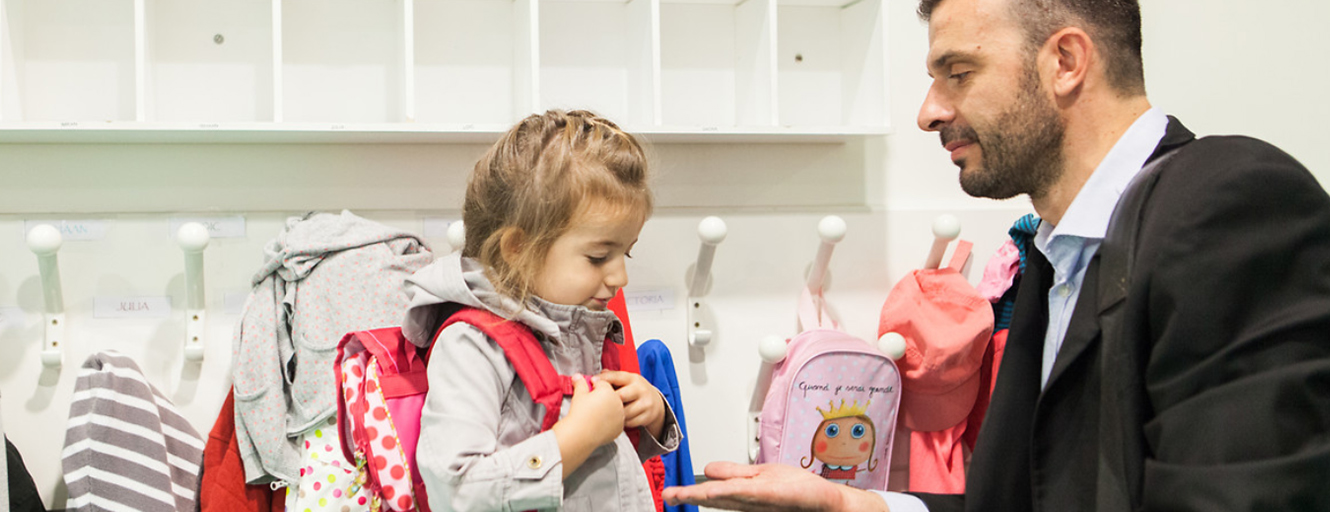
<point>360,473</point>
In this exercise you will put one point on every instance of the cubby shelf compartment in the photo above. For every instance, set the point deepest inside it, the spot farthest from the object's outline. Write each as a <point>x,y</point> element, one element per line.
<point>67,59</point>
<point>718,64</point>
<point>474,60</point>
<point>601,56</point>
<point>209,61</point>
<point>342,61</point>
<point>832,63</point>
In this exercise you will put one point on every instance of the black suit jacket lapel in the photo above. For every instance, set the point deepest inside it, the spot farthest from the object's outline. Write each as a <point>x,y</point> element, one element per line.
<point>1102,293</point>
<point>1121,448</point>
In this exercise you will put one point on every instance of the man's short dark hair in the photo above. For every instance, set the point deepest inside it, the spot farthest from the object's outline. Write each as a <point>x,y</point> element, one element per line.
<point>1115,26</point>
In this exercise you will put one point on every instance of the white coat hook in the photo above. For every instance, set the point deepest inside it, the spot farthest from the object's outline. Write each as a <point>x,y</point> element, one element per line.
<point>945,229</point>
<point>832,230</point>
<point>193,239</point>
<point>44,241</point>
<point>893,345</point>
<point>712,232</point>
<point>456,235</point>
<point>773,350</point>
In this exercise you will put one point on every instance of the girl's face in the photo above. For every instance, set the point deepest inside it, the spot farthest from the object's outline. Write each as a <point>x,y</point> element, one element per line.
<point>585,266</point>
<point>843,441</point>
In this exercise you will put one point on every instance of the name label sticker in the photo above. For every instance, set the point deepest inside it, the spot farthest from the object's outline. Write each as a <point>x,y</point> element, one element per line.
<point>218,227</point>
<point>649,300</point>
<point>73,229</point>
<point>132,307</point>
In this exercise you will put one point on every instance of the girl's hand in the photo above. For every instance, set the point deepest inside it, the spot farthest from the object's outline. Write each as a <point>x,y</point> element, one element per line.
<point>597,411</point>
<point>595,418</point>
<point>643,405</point>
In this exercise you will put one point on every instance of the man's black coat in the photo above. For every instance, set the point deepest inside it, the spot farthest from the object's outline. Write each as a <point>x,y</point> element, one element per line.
<point>1195,373</point>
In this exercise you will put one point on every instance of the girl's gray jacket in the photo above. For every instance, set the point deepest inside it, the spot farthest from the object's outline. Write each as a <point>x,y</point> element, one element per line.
<point>481,448</point>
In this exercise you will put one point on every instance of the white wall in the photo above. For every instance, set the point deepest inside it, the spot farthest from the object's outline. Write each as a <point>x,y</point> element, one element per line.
<point>1221,66</point>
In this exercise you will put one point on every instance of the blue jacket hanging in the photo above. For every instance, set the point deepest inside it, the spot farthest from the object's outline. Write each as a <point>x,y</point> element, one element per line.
<point>658,368</point>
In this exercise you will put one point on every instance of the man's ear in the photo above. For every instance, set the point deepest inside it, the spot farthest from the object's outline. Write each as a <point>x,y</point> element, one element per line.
<point>511,243</point>
<point>1073,53</point>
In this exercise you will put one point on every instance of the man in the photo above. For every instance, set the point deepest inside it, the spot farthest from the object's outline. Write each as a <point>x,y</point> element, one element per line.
<point>1171,344</point>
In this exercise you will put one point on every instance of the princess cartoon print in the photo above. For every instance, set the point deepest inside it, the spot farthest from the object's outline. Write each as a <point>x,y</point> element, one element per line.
<point>845,439</point>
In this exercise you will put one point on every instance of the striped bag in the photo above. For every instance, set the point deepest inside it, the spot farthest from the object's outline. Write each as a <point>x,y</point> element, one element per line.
<point>126,446</point>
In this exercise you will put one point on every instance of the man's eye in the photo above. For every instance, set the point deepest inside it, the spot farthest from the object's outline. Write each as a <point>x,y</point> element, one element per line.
<point>959,77</point>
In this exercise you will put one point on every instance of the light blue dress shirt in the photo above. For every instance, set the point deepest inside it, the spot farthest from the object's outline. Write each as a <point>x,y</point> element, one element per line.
<point>1072,242</point>
<point>1070,245</point>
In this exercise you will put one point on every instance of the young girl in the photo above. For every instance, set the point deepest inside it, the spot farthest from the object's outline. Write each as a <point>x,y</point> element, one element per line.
<point>551,212</point>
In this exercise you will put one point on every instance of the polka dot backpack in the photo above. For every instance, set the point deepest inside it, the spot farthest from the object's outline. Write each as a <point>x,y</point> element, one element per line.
<point>382,380</point>
<point>831,403</point>
<point>328,481</point>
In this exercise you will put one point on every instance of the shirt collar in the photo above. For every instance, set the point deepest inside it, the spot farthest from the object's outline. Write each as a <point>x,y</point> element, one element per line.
<point>1089,213</point>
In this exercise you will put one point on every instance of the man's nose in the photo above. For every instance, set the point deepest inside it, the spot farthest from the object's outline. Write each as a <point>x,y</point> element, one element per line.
<point>935,112</point>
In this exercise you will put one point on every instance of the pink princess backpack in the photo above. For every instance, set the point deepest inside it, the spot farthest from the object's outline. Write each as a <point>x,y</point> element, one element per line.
<point>831,406</point>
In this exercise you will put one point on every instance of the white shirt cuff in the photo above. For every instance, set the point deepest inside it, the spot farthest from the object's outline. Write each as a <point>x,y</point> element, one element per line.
<point>900,502</point>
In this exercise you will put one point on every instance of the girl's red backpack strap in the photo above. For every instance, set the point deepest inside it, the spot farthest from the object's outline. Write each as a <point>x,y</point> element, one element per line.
<point>523,351</point>
<point>628,353</point>
<point>610,356</point>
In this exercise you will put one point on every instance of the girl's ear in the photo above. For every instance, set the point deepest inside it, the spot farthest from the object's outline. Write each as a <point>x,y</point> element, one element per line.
<point>510,244</point>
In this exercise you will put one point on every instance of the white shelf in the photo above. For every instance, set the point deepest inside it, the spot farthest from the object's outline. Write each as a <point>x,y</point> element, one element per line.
<point>758,134</point>
<point>379,133</point>
<point>445,71</point>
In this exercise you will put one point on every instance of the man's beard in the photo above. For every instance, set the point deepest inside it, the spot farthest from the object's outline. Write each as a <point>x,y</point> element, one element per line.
<point>1022,154</point>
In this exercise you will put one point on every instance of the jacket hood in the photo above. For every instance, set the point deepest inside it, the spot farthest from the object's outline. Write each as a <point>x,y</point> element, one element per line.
<point>307,239</point>
<point>460,280</point>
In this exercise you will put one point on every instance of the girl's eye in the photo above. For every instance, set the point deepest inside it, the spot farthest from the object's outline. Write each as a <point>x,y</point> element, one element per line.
<point>858,430</point>
<point>628,254</point>
<point>597,260</point>
<point>833,430</point>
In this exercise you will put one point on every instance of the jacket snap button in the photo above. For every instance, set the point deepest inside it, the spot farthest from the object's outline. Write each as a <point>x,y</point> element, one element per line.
<point>534,462</point>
